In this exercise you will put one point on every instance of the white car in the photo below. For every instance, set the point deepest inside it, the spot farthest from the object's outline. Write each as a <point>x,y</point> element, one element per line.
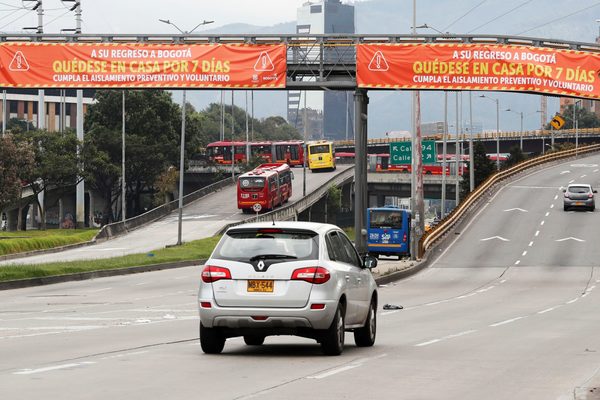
<point>287,278</point>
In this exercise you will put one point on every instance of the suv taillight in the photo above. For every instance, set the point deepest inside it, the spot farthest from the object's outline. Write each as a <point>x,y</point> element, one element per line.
<point>404,238</point>
<point>316,275</point>
<point>591,195</point>
<point>210,273</point>
<point>566,195</point>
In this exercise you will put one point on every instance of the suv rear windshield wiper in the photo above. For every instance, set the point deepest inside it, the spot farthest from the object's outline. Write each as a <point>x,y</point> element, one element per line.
<point>272,256</point>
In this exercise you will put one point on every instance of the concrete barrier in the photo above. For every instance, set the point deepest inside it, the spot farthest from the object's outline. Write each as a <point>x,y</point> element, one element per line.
<point>122,227</point>
<point>474,198</point>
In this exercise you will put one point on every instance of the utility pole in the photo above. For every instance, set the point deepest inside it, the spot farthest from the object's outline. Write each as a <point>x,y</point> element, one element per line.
<point>232,138</point>
<point>444,150</point>
<point>471,161</point>
<point>181,172</point>
<point>123,187</point>
<point>305,148</point>
<point>457,152</point>
<point>416,181</point>
<point>247,132</point>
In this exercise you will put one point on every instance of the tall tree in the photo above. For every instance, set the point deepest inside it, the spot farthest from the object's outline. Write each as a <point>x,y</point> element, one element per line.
<point>16,163</point>
<point>56,164</point>
<point>483,166</point>
<point>152,126</point>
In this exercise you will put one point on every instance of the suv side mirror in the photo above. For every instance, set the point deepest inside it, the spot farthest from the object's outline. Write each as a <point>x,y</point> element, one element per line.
<point>564,190</point>
<point>595,191</point>
<point>369,262</point>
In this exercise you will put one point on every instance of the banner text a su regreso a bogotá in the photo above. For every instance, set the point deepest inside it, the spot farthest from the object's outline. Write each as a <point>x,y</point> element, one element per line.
<point>106,65</point>
<point>479,67</point>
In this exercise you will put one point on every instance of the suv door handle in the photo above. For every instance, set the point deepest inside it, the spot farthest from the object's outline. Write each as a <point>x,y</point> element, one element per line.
<point>359,280</point>
<point>348,278</point>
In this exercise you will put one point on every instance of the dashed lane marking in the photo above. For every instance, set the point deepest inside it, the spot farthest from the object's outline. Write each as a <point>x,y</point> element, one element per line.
<point>508,321</point>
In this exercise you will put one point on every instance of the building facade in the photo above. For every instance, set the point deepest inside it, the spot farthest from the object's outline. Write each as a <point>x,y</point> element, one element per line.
<point>323,17</point>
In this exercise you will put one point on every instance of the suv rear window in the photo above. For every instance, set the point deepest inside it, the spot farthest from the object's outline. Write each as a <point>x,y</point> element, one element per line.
<point>244,244</point>
<point>579,189</point>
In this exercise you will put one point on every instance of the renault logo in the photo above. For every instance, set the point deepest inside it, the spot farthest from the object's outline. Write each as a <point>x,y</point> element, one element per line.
<point>260,265</point>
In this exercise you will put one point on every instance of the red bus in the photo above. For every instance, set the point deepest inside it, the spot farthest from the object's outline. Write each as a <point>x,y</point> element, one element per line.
<point>291,152</point>
<point>269,185</point>
<point>383,165</point>
<point>220,152</point>
<point>261,150</point>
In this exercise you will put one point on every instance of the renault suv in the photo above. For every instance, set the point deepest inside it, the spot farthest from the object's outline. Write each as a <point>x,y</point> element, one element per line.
<point>579,195</point>
<point>287,278</point>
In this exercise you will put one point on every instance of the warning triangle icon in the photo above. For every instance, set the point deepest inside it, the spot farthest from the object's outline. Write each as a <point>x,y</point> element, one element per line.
<point>264,63</point>
<point>19,62</point>
<point>378,63</point>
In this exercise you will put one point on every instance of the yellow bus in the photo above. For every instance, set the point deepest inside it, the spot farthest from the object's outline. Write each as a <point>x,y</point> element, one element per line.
<point>321,155</point>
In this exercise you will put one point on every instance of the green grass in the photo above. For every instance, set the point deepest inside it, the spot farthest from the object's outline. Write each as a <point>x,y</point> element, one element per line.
<point>18,242</point>
<point>196,250</point>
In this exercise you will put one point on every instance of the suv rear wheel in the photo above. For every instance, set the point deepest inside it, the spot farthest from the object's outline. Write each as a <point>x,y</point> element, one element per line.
<point>332,342</point>
<point>212,340</point>
<point>365,336</point>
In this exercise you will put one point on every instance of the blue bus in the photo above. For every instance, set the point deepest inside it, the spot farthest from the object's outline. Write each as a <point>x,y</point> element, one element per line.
<point>388,231</point>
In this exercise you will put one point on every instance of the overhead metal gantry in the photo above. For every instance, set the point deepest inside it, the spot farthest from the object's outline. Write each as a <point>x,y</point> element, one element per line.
<point>314,62</point>
<point>320,62</point>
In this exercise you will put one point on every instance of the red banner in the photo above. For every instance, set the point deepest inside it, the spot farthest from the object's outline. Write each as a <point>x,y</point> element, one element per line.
<point>478,67</point>
<point>105,65</point>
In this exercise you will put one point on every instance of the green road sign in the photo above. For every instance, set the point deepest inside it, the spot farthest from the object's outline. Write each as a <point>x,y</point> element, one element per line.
<point>401,152</point>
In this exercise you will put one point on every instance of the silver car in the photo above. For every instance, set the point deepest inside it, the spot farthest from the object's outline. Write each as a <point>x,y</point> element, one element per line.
<point>579,195</point>
<point>287,278</point>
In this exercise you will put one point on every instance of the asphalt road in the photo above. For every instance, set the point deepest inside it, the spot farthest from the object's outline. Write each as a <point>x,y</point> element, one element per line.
<point>515,317</point>
<point>202,218</point>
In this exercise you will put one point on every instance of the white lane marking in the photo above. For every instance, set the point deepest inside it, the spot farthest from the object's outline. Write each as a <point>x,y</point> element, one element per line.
<point>355,364</point>
<point>445,338</point>
<point>548,213</point>
<point>590,288</point>
<point>572,180</point>
<point>565,172</point>
<point>495,237</point>
<point>516,209</point>
<point>530,244</point>
<point>28,371</point>
<point>390,312</point>
<point>127,354</point>
<point>556,197</point>
<point>570,238</point>
<point>547,310</point>
<point>508,321</point>
<point>537,233</point>
<point>583,176</point>
<point>542,223</point>
<point>524,253</point>
<point>551,205</point>
<point>596,170</point>
<point>142,283</point>
<point>503,280</point>
<point>464,296</point>
<point>485,289</point>
<point>572,301</point>
<point>517,262</point>
<point>332,372</point>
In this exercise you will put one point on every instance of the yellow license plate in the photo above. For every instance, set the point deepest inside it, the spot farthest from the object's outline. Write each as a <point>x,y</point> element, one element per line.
<point>260,286</point>
<point>579,203</point>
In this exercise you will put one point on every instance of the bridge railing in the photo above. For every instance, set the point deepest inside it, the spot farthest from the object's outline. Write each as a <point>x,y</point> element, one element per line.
<point>291,211</point>
<point>121,227</point>
<point>473,198</point>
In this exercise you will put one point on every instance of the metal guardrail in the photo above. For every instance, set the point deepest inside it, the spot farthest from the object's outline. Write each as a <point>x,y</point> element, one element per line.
<point>121,227</point>
<point>291,211</point>
<point>453,218</point>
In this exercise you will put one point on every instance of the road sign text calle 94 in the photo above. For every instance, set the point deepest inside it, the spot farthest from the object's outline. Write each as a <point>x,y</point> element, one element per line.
<point>401,152</point>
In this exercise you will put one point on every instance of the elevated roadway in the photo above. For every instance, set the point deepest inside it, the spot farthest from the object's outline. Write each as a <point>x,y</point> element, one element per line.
<point>202,218</point>
<point>508,311</point>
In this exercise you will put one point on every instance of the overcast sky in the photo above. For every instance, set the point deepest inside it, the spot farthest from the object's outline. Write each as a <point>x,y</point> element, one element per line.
<point>140,16</point>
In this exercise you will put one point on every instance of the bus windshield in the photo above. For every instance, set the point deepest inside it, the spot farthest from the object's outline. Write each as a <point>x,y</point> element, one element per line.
<point>252,183</point>
<point>319,149</point>
<point>386,219</point>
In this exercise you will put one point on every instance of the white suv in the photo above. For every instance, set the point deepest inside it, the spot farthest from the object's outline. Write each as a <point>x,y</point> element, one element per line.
<point>287,278</point>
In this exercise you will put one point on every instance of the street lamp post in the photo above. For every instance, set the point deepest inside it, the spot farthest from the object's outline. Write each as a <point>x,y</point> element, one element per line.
<point>576,122</point>
<point>182,146</point>
<point>520,113</point>
<point>497,128</point>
